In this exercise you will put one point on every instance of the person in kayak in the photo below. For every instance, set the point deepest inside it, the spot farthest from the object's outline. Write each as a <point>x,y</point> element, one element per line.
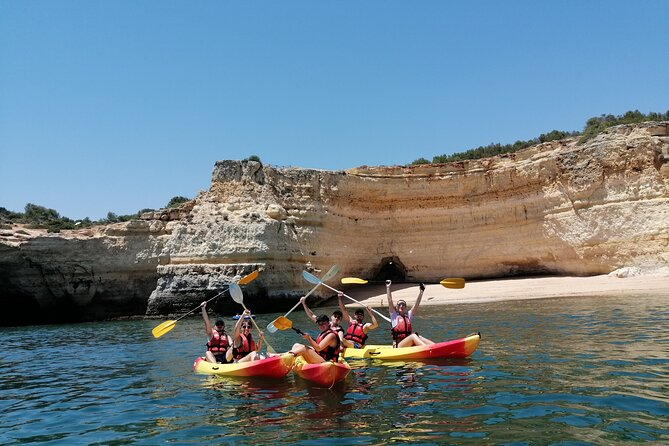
<point>400,320</point>
<point>244,347</point>
<point>324,348</point>
<point>335,319</point>
<point>219,346</point>
<point>356,333</point>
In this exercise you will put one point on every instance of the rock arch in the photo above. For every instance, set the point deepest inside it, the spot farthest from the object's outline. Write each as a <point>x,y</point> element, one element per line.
<point>390,268</point>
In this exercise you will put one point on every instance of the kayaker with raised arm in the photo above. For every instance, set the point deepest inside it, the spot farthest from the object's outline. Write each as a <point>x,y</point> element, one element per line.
<point>356,333</point>
<point>324,348</point>
<point>400,320</point>
<point>219,346</point>
<point>244,347</point>
<point>335,319</point>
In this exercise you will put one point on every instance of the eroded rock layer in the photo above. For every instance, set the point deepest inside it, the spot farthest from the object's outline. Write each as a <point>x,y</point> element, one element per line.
<point>556,208</point>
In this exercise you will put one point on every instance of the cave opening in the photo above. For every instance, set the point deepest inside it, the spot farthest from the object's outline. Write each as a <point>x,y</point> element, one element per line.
<point>390,268</point>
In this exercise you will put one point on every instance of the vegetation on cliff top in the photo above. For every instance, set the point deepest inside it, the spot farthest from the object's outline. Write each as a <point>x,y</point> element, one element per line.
<point>40,217</point>
<point>593,127</point>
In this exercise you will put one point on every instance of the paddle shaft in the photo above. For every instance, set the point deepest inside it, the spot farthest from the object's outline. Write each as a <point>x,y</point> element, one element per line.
<point>269,347</point>
<point>207,301</point>
<point>379,314</point>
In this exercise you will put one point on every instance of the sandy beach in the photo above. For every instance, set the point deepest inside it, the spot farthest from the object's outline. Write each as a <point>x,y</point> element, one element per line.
<point>514,289</point>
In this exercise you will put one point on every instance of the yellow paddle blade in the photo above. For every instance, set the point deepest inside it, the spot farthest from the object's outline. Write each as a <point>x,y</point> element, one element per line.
<point>453,282</point>
<point>163,328</point>
<point>283,323</point>
<point>246,279</point>
<point>353,280</point>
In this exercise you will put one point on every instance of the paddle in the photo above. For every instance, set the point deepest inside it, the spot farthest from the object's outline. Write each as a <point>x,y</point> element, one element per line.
<point>282,322</point>
<point>448,283</point>
<point>300,332</point>
<point>166,326</point>
<point>238,296</point>
<point>313,279</point>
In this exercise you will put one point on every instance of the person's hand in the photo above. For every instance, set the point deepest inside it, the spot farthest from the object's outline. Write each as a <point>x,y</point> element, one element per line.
<point>261,335</point>
<point>204,304</point>
<point>388,282</point>
<point>340,294</point>
<point>368,308</point>
<point>246,312</point>
<point>306,336</point>
<point>422,287</point>
<point>302,299</point>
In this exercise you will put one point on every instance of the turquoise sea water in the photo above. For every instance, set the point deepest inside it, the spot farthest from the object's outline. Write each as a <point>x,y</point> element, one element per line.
<point>560,371</point>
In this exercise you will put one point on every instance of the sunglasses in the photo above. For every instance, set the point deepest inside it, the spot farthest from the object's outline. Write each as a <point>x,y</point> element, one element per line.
<point>246,326</point>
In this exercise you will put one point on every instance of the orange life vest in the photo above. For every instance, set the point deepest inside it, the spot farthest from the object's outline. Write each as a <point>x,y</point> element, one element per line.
<point>218,342</point>
<point>329,353</point>
<point>402,329</point>
<point>356,333</point>
<point>248,345</point>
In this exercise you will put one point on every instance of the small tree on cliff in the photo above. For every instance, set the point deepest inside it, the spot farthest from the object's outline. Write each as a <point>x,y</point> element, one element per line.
<point>177,201</point>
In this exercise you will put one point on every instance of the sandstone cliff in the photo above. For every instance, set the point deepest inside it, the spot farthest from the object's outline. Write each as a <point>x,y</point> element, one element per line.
<point>556,208</point>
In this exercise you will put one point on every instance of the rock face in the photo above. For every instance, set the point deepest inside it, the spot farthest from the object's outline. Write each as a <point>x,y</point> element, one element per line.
<point>556,208</point>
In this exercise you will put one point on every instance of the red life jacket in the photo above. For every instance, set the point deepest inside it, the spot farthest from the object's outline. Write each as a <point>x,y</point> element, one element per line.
<point>248,345</point>
<point>402,329</point>
<point>218,342</point>
<point>356,333</point>
<point>329,353</point>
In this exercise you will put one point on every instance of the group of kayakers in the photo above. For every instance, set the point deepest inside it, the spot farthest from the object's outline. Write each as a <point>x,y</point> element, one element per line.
<point>327,346</point>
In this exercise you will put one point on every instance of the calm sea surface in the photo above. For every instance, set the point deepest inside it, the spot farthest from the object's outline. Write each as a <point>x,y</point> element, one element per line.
<point>559,371</point>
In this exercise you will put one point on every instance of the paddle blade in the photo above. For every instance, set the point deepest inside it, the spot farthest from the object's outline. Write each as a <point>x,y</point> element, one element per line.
<point>236,293</point>
<point>283,323</point>
<point>246,279</point>
<point>349,280</point>
<point>271,327</point>
<point>453,283</point>
<point>310,277</point>
<point>334,269</point>
<point>163,328</point>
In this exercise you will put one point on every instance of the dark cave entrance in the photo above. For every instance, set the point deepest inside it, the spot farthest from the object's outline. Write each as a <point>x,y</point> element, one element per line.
<point>390,268</point>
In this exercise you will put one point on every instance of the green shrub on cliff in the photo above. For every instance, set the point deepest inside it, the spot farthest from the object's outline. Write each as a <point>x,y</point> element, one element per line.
<point>177,201</point>
<point>593,127</point>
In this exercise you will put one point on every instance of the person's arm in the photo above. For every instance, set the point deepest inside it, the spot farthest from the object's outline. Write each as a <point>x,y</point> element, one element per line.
<point>420,296</point>
<point>207,324</point>
<point>342,307</point>
<point>261,336</point>
<point>309,313</point>
<point>391,306</point>
<point>228,352</point>
<point>237,331</point>
<point>370,326</point>
<point>325,343</point>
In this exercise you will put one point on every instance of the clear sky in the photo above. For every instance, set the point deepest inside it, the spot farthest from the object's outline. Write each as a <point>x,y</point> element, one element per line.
<point>121,105</point>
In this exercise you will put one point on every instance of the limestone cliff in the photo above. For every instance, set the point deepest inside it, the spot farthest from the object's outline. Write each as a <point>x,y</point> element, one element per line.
<point>556,208</point>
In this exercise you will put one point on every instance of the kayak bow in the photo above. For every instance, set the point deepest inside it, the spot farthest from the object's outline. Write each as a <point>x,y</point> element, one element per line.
<point>324,374</point>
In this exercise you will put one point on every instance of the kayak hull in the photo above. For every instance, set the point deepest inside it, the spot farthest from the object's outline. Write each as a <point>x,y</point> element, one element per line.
<point>273,367</point>
<point>455,349</point>
<point>324,374</point>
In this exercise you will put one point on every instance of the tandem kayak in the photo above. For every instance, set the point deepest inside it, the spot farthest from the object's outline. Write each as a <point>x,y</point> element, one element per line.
<point>324,374</point>
<point>273,367</point>
<point>458,348</point>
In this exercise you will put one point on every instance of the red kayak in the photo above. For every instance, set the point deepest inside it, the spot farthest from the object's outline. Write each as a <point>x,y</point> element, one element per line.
<point>458,348</point>
<point>273,367</point>
<point>323,374</point>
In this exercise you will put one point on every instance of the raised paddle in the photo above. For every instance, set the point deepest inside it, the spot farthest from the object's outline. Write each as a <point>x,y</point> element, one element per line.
<point>282,322</point>
<point>238,296</point>
<point>313,279</point>
<point>455,283</point>
<point>166,326</point>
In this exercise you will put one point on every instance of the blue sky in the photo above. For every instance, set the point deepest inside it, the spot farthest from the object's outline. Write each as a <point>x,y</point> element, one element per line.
<point>120,105</point>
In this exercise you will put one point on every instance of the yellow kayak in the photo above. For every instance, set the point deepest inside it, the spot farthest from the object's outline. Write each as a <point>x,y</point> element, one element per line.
<point>457,348</point>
